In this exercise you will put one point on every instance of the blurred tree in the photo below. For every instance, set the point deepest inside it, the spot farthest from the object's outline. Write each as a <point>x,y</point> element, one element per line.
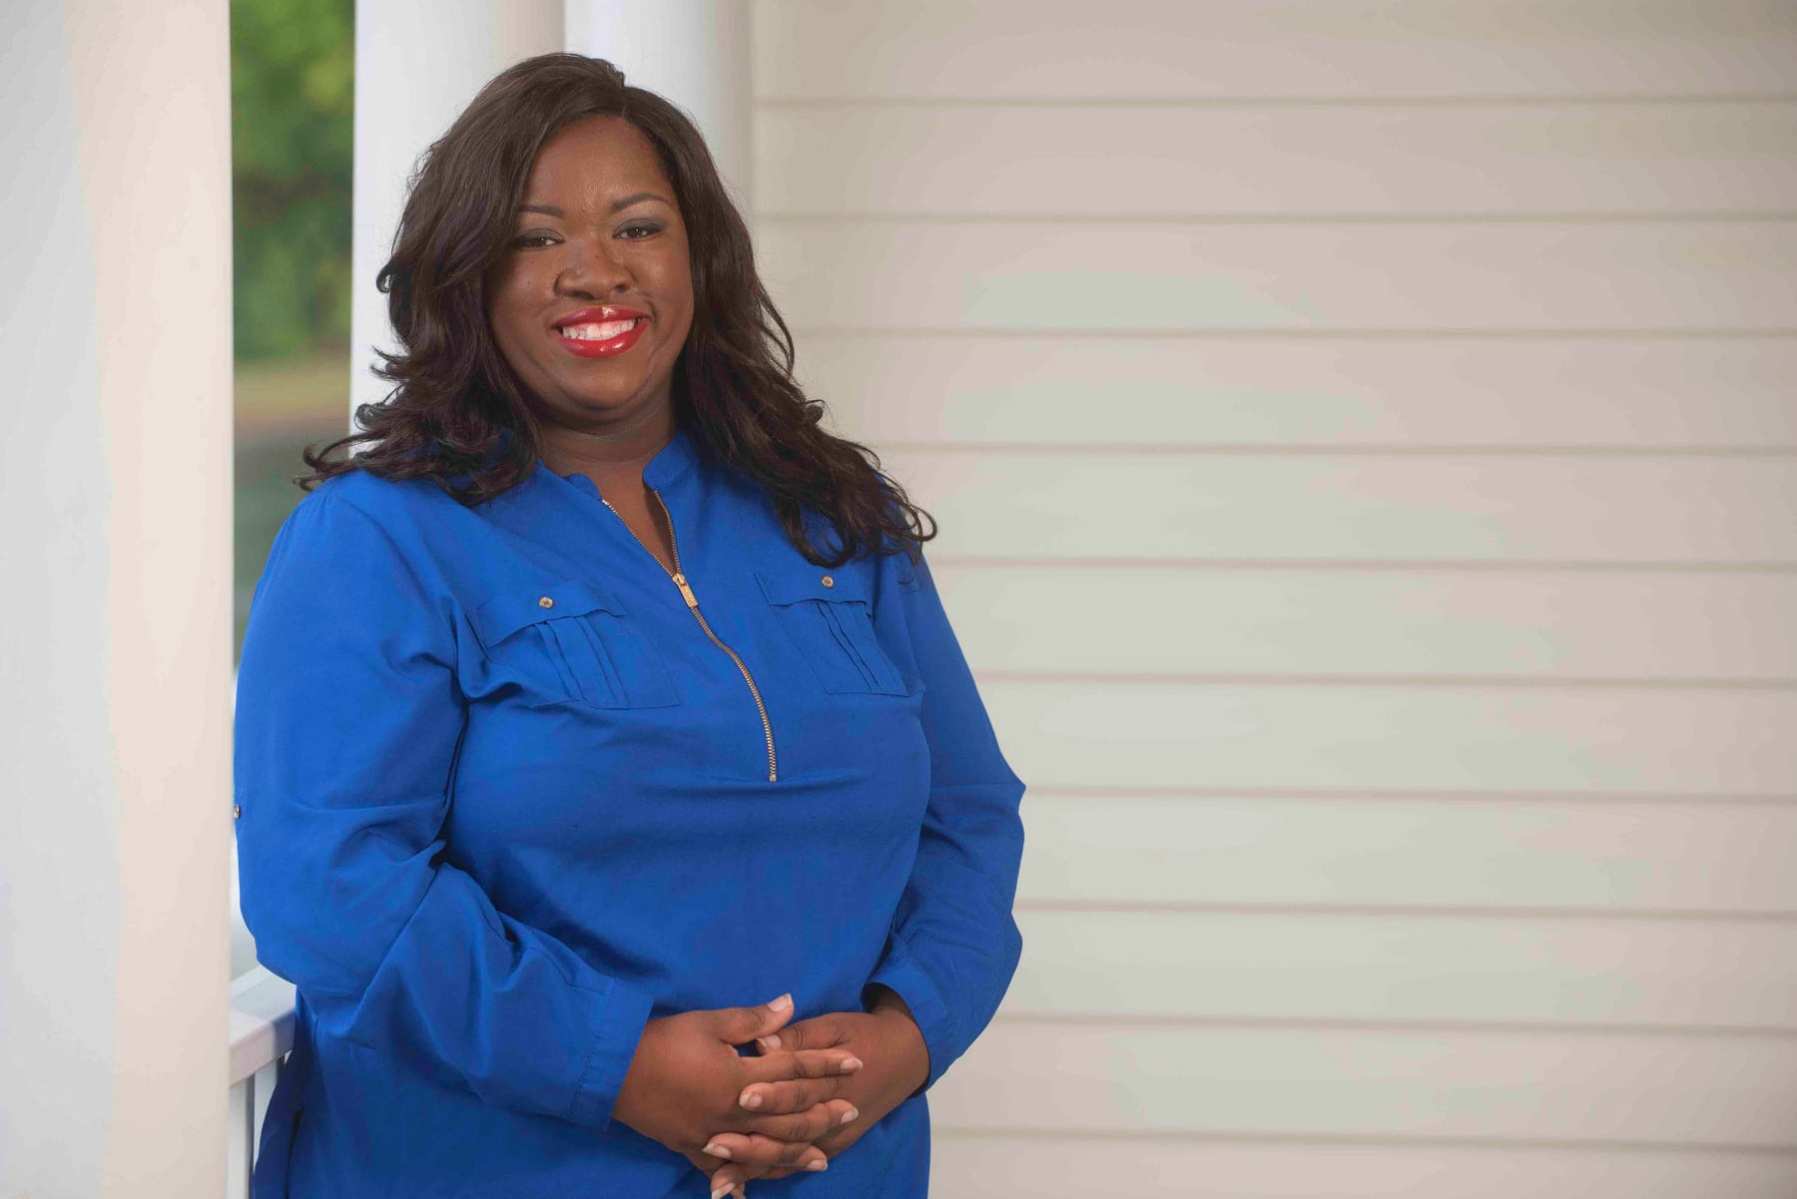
<point>292,144</point>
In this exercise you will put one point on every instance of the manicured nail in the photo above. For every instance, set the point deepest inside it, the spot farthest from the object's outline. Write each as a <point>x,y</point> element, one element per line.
<point>716,1150</point>
<point>849,1115</point>
<point>750,1099</point>
<point>781,1004</point>
<point>850,1064</point>
<point>818,1164</point>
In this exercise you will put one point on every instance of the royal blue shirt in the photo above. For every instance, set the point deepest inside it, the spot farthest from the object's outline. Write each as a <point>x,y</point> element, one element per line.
<point>503,794</point>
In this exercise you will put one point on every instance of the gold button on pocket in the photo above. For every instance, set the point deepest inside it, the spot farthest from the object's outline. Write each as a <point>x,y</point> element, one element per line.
<point>830,620</point>
<point>572,640</point>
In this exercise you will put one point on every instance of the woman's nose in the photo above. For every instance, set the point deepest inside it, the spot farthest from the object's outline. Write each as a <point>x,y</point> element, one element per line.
<point>590,269</point>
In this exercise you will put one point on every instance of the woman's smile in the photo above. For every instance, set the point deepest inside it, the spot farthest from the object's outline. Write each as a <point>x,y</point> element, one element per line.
<point>600,332</point>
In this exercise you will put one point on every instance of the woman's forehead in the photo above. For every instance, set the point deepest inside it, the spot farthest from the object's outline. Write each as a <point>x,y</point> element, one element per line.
<point>597,164</point>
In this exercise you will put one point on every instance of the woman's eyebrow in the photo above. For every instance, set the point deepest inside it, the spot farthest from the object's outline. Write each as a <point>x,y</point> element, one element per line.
<point>620,203</point>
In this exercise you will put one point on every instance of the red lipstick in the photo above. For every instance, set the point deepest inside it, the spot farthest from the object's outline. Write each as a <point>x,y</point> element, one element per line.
<point>591,336</point>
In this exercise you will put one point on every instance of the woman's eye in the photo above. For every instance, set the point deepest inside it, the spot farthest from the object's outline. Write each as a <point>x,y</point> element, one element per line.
<point>629,233</point>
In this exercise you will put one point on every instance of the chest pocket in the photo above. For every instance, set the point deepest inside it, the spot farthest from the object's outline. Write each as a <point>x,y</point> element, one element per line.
<point>829,617</point>
<point>572,639</point>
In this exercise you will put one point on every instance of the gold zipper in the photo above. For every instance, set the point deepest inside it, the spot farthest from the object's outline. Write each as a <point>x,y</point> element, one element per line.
<point>692,605</point>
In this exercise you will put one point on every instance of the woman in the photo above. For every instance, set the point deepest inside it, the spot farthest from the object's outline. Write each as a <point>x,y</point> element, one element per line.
<point>604,696</point>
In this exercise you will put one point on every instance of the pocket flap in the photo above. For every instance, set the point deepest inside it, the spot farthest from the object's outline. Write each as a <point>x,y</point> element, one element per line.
<point>807,582</point>
<point>499,617</point>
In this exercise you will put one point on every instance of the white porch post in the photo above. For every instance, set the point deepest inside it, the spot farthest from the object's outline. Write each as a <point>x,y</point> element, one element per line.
<point>417,66</point>
<point>115,660</point>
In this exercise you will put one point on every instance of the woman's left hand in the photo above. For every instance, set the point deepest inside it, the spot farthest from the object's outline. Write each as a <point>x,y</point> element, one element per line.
<point>895,1064</point>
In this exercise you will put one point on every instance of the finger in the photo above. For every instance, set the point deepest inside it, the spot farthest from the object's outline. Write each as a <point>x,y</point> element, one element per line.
<point>721,1186</point>
<point>737,1025</point>
<point>818,1032</point>
<point>754,1150</point>
<point>803,1063</point>
<point>737,1181</point>
<point>721,1178</point>
<point>790,1037</point>
<point>792,1095</point>
<point>807,1125</point>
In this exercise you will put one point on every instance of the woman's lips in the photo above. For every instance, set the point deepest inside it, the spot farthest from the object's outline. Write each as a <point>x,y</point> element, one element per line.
<point>601,339</point>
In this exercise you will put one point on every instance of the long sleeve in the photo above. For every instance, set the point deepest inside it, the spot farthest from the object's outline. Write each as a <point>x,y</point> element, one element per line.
<point>954,944</point>
<point>348,726</point>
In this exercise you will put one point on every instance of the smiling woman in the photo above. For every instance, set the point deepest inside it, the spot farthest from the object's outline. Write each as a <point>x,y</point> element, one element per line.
<point>602,696</point>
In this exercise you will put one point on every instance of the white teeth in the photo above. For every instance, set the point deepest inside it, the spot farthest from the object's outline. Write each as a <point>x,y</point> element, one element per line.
<point>604,332</point>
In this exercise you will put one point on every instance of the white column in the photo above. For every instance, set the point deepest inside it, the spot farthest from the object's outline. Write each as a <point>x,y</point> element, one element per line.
<point>696,53</point>
<point>417,66</point>
<point>115,654</point>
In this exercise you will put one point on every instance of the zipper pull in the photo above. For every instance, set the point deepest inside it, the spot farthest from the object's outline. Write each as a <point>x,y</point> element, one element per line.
<point>686,593</point>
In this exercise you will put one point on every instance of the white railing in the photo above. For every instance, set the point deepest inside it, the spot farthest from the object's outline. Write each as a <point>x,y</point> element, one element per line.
<point>261,1035</point>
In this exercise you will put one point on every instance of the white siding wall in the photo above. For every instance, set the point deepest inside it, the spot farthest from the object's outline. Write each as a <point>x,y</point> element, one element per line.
<point>1365,441</point>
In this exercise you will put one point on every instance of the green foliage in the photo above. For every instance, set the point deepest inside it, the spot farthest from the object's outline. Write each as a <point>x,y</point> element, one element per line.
<point>292,146</point>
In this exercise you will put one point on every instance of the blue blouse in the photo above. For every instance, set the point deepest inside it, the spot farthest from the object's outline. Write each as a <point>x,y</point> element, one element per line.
<point>505,790</point>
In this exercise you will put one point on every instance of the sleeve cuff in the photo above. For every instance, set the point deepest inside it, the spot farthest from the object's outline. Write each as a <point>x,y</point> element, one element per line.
<point>900,971</point>
<point>623,1013</point>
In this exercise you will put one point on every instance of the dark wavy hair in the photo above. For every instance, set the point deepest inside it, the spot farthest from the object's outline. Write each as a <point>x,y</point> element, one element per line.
<point>457,412</point>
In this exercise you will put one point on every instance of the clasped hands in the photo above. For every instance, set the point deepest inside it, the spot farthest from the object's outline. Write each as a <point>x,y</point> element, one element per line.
<point>815,1088</point>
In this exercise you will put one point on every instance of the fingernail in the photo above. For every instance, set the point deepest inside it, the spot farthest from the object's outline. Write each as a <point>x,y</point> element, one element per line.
<point>818,1164</point>
<point>722,1191</point>
<point>849,1115</point>
<point>768,1044</point>
<point>778,1005</point>
<point>716,1150</point>
<point>750,1099</point>
<point>848,1064</point>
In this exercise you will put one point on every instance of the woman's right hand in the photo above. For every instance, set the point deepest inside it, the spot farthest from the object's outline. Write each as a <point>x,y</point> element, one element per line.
<point>685,1079</point>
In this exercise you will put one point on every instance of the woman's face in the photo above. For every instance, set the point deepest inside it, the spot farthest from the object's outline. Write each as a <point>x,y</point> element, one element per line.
<point>592,301</point>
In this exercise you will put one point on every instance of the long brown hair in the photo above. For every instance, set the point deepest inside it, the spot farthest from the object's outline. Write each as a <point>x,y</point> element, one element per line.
<point>457,412</point>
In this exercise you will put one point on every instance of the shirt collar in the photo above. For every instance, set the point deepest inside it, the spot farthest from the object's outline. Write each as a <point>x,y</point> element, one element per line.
<point>670,462</point>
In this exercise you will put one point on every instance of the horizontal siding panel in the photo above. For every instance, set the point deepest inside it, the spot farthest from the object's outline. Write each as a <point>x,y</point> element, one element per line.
<point>1396,969</point>
<point>1279,161</point>
<point>1540,1086</point>
<point>1095,276</point>
<point>1300,392</point>
<point>1490,854</point>
<point>1351,48</point>
<point>1299,623</point>
<point>1396,739</point>
<point>1363,445</point>
<point>1355,508</point>
<point>979,1167</point>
